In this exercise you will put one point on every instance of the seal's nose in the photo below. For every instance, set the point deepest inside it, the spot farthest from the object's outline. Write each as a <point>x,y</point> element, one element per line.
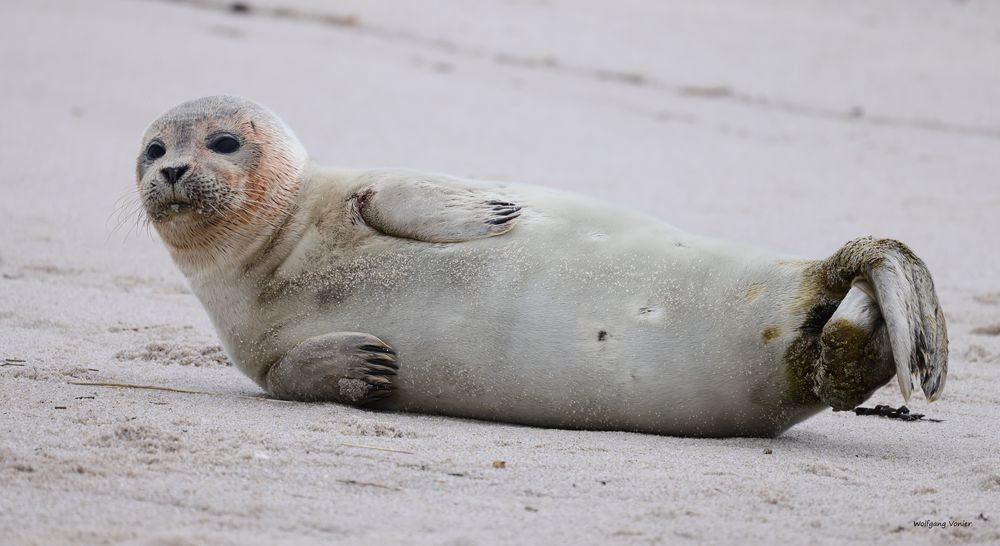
<point>173,174</point>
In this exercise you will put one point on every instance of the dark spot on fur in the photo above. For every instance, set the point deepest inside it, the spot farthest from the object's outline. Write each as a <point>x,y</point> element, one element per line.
<point>602,335</point>
<point>818,316</point>
<point>770,333</point>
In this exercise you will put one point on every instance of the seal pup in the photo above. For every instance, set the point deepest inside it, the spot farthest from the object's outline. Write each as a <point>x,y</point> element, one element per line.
<point>409,291</point>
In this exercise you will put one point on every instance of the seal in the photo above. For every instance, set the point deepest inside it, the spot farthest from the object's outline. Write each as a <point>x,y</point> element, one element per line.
<point>408,291</point>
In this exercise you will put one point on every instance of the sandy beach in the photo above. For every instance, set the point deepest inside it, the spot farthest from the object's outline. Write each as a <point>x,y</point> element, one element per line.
<point>793,126</point>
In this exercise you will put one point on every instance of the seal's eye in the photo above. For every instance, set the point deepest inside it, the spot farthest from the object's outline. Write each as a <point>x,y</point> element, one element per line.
<point>224,144</point>
<point>155,150</point>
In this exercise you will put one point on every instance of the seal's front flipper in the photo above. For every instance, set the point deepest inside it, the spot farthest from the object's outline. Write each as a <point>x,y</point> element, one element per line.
<point>434,209</point>
<point>348,367</point>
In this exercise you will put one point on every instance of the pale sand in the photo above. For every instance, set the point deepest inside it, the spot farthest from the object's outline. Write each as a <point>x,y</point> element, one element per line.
<point>792,125</point>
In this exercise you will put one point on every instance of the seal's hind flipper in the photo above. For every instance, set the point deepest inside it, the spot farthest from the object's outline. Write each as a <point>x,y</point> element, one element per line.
<point>901,285</point>
<point>431,209</point>
<point>855,356</point>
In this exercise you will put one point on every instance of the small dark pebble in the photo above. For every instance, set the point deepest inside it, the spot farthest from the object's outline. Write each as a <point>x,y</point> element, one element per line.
<point>902,413</point>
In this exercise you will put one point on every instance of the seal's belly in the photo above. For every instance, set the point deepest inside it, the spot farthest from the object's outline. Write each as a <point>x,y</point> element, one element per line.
<point>650,331</point>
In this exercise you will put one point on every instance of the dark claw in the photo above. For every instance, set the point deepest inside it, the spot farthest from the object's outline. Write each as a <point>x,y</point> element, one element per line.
<point>377,368</point>
<point>499,211</point>
<point>382,360</point>
<point>501,203</point>
<point>503,219</point>
<point>378,349</point>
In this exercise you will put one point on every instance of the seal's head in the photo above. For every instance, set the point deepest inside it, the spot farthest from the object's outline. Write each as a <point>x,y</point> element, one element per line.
<point>216,168</point>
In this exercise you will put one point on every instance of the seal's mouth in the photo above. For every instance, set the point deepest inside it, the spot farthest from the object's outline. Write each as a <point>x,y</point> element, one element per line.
<point>170,209</point>
<point>192,200</point>
<point>178,206</point>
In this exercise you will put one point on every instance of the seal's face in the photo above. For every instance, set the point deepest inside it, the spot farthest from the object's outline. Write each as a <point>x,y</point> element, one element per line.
<point>195,167</point>
<point>215,165</point>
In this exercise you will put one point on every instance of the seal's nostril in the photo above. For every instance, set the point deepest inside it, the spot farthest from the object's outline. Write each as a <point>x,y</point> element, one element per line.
<point>173,174</point>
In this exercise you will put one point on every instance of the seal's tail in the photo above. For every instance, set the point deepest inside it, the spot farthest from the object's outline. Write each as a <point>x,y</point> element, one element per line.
<point>889,275</point>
